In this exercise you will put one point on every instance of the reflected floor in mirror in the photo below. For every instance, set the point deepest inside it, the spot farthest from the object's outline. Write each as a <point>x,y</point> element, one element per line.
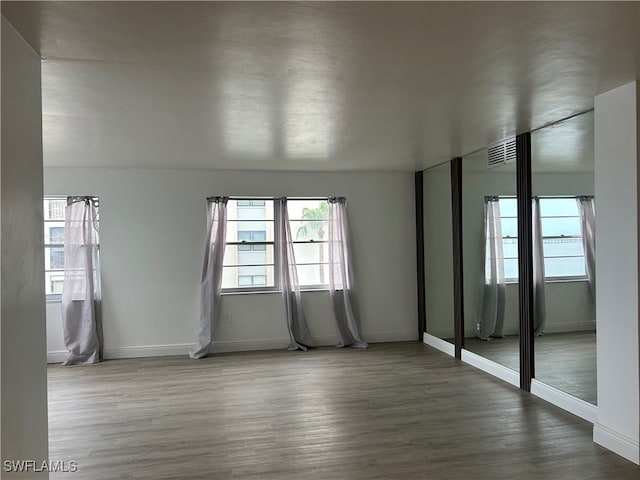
<point>566,361</point>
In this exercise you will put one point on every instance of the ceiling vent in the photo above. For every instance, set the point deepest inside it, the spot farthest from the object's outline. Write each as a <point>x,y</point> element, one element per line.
<point>501,153</point>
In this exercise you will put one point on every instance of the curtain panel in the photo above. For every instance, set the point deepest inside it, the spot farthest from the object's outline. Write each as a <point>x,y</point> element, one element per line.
<point>491,314</point>
<point>539,302</point>
<point>81,292</point>
<point>341,282</point>
<point>211,279</point>
<point>586,207</point>
<point>299,336</point>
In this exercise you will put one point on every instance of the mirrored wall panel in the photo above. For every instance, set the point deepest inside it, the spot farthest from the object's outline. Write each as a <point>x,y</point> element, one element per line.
<point>438,252</point>
<point>490,254</point>
<point>563,208</point>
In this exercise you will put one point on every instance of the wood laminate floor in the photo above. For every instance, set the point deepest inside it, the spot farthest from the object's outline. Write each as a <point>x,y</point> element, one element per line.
<point>566,361</point>
<point>394,411</point>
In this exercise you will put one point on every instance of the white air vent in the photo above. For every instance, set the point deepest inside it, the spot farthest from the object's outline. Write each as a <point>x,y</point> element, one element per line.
<point>501,153</point>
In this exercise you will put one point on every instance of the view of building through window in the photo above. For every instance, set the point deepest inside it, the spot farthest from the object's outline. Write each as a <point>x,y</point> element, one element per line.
<point>249,260</point>
<point>562,237</point>
<point>54,219</point>
<point>54,244</point>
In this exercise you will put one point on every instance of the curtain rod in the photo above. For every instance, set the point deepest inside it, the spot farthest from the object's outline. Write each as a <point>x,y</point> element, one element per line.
<point>269,198</point>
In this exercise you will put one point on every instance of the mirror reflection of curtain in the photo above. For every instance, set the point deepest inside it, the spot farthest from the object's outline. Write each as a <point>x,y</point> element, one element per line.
<point>491,318</point>
<point>586,208</point>
<point>539,306</point>
<point>81,293</point>
<point>211,280</point>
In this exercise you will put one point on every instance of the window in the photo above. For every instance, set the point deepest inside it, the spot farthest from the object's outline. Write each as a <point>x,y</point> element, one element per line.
<point>251,203</point>
<point>249,258</point>
<point>54,244</point>
<point>561,237</point>
<point>308,219</point>
<point>54,218</point>
<point>251,237</point>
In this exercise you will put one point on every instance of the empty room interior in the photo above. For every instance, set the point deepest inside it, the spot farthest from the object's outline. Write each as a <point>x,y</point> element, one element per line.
<point>323,240</point>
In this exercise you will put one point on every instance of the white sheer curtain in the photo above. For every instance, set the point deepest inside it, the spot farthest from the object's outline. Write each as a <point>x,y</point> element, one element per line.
<point>211,281</point>
<point>81,294</point>
<point>586,207</point>
<point>539,304</point>
<point>299,336</point>
<point>491,319</point>
<point>341,284</point>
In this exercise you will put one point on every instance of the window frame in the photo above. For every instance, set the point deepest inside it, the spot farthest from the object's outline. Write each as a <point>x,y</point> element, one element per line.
<point>319,286</point>
<point>547,279</point>
<point>52,297</point>
<point>57,297</point>
<point>276,271</point>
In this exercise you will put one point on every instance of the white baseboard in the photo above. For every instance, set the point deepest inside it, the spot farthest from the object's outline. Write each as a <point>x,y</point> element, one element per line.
<point>439,344</point>
<point>140,351</point>
<point>57,356</point>
<point>567,402</point>
<point>617,442</point>
<point>588,326</point>
<point>493,368</point>
<point>557,327</point>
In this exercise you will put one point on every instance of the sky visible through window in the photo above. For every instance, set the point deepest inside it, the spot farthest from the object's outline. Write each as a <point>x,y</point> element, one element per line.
<point>562,237</point>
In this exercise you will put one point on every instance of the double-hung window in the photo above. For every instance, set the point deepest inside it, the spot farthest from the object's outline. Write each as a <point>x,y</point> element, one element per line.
<point>308,220</point>
<point>249,258</point>
<point>54,226</point>
<point>54,245</point>
<point>561,238</point>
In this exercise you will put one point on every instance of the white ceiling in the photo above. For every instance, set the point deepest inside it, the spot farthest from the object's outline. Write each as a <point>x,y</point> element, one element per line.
<point>314,86</point>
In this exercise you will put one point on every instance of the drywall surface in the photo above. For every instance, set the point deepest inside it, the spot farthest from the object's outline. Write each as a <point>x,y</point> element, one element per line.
<point>153,222</point>
<point>616,160</point>
<point>24,371</point>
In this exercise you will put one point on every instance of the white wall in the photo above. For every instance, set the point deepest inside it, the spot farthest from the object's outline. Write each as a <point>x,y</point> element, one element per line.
<point>616,164</point>
<point>23,354</point>
<point>152,241</point>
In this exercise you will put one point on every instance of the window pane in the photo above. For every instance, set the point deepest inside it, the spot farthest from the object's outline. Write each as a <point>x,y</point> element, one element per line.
<point>308,219</point>
<point>303,209</point>
<point>313,274</point>
<point>246,255</point>
<point>511,268</point>
<point>564,267</point>
<point>509,227</point>
<point>311,252</point>
<point>250,210</point>
<point>246,277</point>
<point>56,256</point>
<point>259,280</point>
<point>510,247</point>
<point>559,247</point>
<point>54,208</point>
<point>508,207</point>
<point>256,230</point>
<point>555,227</point>
<point>56,234</point>
<point>53,283</point>
<point>553,207</point>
